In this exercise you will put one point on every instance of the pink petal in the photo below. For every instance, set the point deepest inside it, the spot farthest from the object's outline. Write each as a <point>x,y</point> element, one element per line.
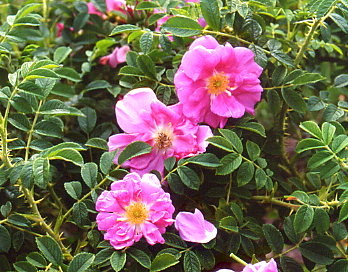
<point>207,41</point>
<point>227,106</point>
<point>122,53</point>
<point>271,266</point>
<point>193,228</point>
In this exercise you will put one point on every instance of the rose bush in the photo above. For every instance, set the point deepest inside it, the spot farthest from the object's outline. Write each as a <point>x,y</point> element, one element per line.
<point>173,135</point>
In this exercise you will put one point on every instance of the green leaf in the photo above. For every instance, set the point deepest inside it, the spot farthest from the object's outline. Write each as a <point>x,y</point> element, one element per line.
<point>146,41</point>
<point>131,71</point>
<point>319,159</point>
<point>23,266</point>
<point>339,143</point>
<point>294,100</point>
<point>89,173</point>
<point>229,223</point>
<point>233,138</point>
<point>36,259</point>
<point>312,128</point>
<point>253,127</point>
<point>118,260</point>
<point>31,88</point>
<point>221,142</point>
<point>230,162</point>
<point>123,28</point>
<point>191,262</point>
<point>163,261</point>
<point>147,66</point>
<point>5,239</point>
<point>6,209</point>
<point>290,265</point>
<point>340,21</point>
<point>87,122</point>
<point>260,178</point>
<point>341,81</point>
<point>253,150</point>
<point>68,73</point>
<point>303,218</point>
<point>176,184</point>
<point>211,13</point>
<point>57,108</point>
<point>73,188</point>
<point>155,17</point>
<point>273,237</point>
<point>332,113</point>
<point>48,128</point>
<point>307,78</point>
<point>26,9</point>
<point>182,27</point>
<point>61,53</point>
<point>189,177</point>
<point>206,258</point>
<point>20,121</point>
<point>308,144</point>
<point>282,57</point>
<point>97,84</point>
<point>273,100</point>
<point>320,7</point>
<point>245,173</point>
<point>278,76</point>
<point>317,253</point>
<point>328,132</point>
<point>97,143</point>
<point>134,149</point>
<point>315,103</point>
<point>80,20</point>
<point>41,73</point>
<point>50,249</point>
<point>340,265</point>
<point>81,262</point>
<point>174,240</point>
<point>321,221</point>
<point>67,154</point>
<point>106,161</point>
<point>343,212</point>
<point>206,159</point>
<point>146,5</point>
<point>41,171</point>
<point>80,214</point>
<point>169,163</point>
<point>140,256</point>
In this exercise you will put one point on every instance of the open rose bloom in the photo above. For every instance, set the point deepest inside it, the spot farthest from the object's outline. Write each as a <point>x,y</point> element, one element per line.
<point>215,82</point>
<point>117,56</point>
<point>135,207</point>
<point>144,118</point>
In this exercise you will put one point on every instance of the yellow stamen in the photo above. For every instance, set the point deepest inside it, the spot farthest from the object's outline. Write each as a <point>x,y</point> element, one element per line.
<point>217,83</point>
<point>137,213</point>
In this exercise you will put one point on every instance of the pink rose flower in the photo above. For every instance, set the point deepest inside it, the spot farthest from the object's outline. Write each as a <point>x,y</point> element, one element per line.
<point>271,266</point>
<point>144,118</point>
<point>60,27</point>
<point>92,9</point>
<point>193,228</point>
<point>111,5</point>
<point>133,208</point>
<point>215,82</point>
<point>116,57</point>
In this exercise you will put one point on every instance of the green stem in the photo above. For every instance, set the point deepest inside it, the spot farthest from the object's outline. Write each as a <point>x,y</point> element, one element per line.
<point>236,258</point>
<point>268,199</point>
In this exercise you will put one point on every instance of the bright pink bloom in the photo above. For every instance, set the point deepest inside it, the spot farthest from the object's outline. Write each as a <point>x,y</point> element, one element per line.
<point>271,266</point>
<point>193,228</point>
<point>192,1</point>
<point>144,118</point>
<point>215,82</point>
<point>116,57</point>
<point>92,9</point>
<point>111,5</point>
<point>60,27</point>
<point>133,208</point>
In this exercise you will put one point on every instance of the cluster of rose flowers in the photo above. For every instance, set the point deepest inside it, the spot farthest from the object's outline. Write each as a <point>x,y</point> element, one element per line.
<point>213,83</point>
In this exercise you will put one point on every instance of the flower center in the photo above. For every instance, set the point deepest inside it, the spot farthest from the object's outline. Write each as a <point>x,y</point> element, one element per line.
<point>217,83</point>
<point>163,138</point>
<point>137,213</point>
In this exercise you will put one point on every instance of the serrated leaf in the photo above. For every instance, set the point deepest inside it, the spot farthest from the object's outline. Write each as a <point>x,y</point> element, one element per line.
<point>339,143</point>
<point>189,177</point>
<point>5,239</point>
<point>320,7</point>
<point>131,71</point>
<point>221,142</point>
<point>134,149</point>
<point>317,253</point>
<point>61,53</point>
<point>273,237</point>
<point>106,161</point>
<point>307,78</point>
<point>81,262</point>
<point>343,212</point>
<point>80,214</point>
<point>308,144</point>
<point>89,173</point>
<point>41,171</point>
<point>340,21</point>
<point>174,240</point>
<point>328,132</point>
<point>312,128</point>
<point>20,121</point>
<point>68,73</point>
<point>341,81</point>
<point>315,103</point>
<point>206,159</point>
<point>321,221</point>
<point>163,261</point>
<point>303,218</point>
<point>146,41</point>
<point>97,143</point>
<point>67,154</point>
<point>140,256</point>
<point>146,5</point>
<point>124,28</point>
<point>23,266</point>
<point>36,259</point>
<point>50,249</point>
<point>118,260</point>
<point>290,265</point>
<point>332,113</point>
<point>230,162</point>
<point>211,13</point>
<point>41,73</point>
<point>191,262</point>
<point>73,188</point>
<point>88,121</point>
<point>253,150</point>
<point>254,127</point>
<point>294,100</point>
<point>147,66</point>
<point>319,159</point>
<point>282,57</point>
<point>182,27</point>
<point>245,173</point>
